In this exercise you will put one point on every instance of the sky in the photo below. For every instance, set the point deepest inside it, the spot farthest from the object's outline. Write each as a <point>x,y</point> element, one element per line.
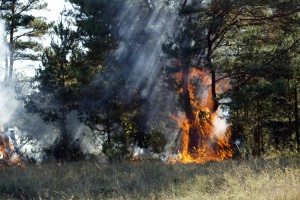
<point>54,8</point>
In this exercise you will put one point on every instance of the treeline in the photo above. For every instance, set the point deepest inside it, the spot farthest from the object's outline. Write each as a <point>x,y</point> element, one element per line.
<point>254,44</point>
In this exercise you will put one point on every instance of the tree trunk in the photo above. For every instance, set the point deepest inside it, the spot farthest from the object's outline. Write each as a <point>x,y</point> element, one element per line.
<point>6,66</point>
<point>11,41</point>
<point>258,133</point>
<point>62,151</point>
<point>62,147</point>
<point>184,3</point>
<point>11,62</point>
<point>290,115</point>
<point>213,90</point>
<point>107,127</point>
<point>141,131</point>
<point>194,136</point>
<point>262,138</point>
<point>212,70</point>
<point>296,118</point>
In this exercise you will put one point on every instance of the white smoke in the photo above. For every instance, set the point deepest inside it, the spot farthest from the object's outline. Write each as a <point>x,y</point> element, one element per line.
<point>25,146</point>
<point>220,124</point>
<point>8,104</point>
<point>145,32</point>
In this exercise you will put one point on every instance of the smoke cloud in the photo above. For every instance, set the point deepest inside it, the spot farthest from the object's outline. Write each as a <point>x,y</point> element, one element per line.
<point>34,135</point>
<point>143,28</point>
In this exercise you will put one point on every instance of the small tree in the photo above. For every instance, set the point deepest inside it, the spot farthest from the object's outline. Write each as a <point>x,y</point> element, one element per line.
<point>100,109</point>
<point>53,94</point>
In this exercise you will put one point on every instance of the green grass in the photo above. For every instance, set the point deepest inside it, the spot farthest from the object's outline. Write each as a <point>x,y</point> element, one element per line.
<point>249,179</point>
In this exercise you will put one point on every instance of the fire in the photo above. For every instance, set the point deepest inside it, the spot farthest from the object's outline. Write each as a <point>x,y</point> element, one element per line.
<point>8,152</point>
<point>206,135</point>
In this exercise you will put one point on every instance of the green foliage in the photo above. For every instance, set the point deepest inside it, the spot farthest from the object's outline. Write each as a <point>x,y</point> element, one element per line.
<point>117,149</point>
<point>97,23</point>
<point>53,95</point>
<point>23,29</point>
<point>157,140</point>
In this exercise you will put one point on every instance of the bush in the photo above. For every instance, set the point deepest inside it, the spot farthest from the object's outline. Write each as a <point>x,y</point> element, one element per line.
<point>156,140</point>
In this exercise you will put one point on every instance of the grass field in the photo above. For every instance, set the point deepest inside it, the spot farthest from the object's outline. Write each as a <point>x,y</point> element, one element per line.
<point>277,178</point>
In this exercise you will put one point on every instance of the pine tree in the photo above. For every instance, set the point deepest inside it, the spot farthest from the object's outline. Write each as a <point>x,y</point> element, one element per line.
<point>53,95</point>
<point>22,30</point>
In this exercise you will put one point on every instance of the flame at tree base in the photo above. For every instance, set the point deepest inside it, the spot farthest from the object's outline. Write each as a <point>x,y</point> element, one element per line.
<point>212,144</point>
<point>206,135</point>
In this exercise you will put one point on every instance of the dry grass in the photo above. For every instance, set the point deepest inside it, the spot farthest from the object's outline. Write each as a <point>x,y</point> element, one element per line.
<point>252,179</point>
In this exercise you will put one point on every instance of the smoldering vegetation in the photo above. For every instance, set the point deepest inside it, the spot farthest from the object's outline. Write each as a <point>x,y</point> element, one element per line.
<point>31,136</point>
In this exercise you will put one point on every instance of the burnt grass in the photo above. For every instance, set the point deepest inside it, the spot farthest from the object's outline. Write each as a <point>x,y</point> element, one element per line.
<point>153,179</point>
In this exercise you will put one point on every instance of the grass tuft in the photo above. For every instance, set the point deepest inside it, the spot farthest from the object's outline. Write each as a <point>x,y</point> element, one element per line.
<point>277,178</point>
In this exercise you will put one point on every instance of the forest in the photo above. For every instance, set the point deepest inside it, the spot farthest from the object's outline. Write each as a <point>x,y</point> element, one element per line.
<point>184,81</point>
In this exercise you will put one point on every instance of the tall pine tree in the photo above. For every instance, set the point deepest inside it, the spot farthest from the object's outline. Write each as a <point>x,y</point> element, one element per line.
<point>23,31</point>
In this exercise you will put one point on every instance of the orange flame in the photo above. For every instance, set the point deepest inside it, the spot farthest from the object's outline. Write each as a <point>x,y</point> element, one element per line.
<point>207,130</point>
<point>7,150</point>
